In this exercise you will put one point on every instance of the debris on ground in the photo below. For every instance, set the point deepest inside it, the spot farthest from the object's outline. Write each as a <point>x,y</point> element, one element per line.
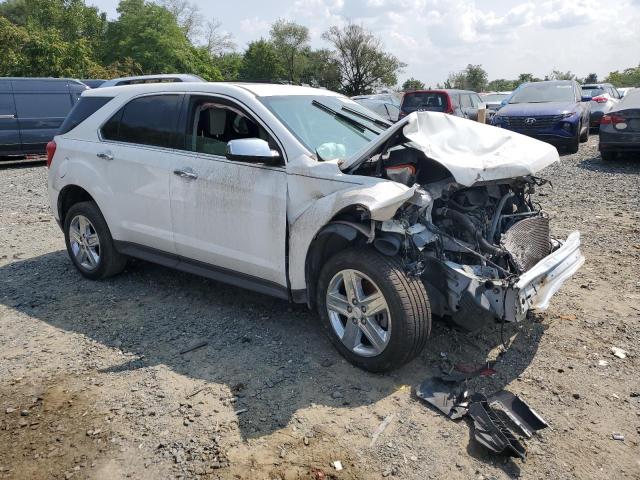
<point>619,352</point>
<point>618,436</point>
<point>337,464</point>
<point>381,428</point>
<point>195,346</point>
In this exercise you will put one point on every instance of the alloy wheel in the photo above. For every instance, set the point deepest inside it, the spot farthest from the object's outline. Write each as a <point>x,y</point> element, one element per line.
<point>358,312</point>
<point>85,243</point>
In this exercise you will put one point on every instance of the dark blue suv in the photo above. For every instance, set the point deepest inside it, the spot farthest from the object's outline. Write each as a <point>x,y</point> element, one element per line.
<point>553,111</point>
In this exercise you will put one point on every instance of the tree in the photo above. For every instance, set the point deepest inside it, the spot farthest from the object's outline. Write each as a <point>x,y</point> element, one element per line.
<point>187,16</point>
<point>412,84</point>
<point>261,63</point>
<point>475,78</point>
<point>630,77</point>
<point>150,35</point>
<point>591,78</point>
<point>558,75</point>
<point>289,40</point>
<point>500,85</point>
<point>524,78</point>
<point>218,42</point>
<point>363,62</point>
<point>321,69</point>
<point>456,80</point>
<point>229,65</point>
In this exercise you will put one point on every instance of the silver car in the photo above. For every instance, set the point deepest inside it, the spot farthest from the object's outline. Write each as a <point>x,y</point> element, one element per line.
<point>604,97</point>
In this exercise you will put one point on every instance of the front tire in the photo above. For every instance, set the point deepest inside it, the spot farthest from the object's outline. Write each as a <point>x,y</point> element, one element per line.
<point>584,137</point>
<point>376,315</point>
<point>574,146</point>
<point>89,242</point>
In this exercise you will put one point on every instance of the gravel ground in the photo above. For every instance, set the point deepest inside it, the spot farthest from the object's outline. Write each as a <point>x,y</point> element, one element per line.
<point>93,384</point>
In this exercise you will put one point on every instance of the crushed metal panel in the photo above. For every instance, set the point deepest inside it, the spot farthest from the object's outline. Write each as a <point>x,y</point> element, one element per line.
<point>446,397</point>
<point>522,415</point>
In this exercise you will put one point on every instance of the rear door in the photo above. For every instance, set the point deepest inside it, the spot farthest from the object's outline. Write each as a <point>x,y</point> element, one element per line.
<point>41,107</point>
<point>136,158</point>
<point>10,143</point>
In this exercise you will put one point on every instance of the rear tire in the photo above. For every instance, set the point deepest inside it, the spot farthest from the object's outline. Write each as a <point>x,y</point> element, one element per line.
<point>400,328</point>
<point>89,242</point>
<point>585,136</point>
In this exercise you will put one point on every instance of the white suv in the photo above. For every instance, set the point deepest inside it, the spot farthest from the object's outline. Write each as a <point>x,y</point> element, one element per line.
<point>305,195</point>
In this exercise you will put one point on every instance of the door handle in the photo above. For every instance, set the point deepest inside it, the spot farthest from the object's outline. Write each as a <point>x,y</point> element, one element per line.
<point>105,155</point>
<point>186,173</point>
<point>7,116</point>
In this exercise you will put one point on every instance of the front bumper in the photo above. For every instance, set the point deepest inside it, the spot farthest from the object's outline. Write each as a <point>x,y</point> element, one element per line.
<point>472,292</point>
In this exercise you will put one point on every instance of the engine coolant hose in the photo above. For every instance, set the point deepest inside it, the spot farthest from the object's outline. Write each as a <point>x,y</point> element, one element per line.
<point>466,223</point>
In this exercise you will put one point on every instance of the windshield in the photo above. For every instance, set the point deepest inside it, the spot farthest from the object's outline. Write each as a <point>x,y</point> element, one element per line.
<point>429,101</point>
<point>494,97</point>
<point>543,92</point>
<point>592,91</point>
<point>331,135</point>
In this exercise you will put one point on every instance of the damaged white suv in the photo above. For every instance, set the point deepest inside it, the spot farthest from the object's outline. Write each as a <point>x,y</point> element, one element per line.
<point>305,195</point>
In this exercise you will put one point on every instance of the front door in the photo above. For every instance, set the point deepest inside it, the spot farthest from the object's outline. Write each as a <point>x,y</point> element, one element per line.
<point>228,215</point>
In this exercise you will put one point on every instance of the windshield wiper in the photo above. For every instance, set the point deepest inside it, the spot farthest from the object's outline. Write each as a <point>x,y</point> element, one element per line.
<point>380,123</point>
<point>352,121</point>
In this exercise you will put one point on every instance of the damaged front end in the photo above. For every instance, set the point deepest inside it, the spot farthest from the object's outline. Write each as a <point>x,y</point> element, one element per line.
<point>483,249</point>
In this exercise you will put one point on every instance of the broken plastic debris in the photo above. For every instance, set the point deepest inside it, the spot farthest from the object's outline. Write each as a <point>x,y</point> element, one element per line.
<point>619,352</point>
<point>337,465</point>
<point>618,436</point>
<point>603,363</point>
<point>381,428</point>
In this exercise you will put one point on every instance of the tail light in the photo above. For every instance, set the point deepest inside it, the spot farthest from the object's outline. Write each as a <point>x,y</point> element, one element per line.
<point>599,99</point>
<point>611,119</point>
<point>51,150</point>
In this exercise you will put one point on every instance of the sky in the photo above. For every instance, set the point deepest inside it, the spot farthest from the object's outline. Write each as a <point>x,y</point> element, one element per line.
<point>436,37</point>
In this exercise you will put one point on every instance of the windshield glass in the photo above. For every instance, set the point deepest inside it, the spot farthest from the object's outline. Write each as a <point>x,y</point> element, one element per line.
<point>428,101</point>
<point>321,131</point>
<point>494,97</point>
<point>544,92</point>
<point>592,91</point>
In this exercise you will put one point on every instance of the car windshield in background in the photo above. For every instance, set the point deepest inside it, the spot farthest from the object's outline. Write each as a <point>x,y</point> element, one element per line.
<point>333,127</point>
<point>429,101</point>
<point>494,97</point>
<point>543,93</point>
<point>592,92</point>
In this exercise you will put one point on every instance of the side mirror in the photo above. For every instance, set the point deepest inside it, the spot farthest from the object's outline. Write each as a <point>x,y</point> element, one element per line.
<point>585,99</point>
<point>252,150</point>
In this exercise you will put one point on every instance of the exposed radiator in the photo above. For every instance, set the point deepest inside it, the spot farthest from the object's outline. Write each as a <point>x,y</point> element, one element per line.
<point>528,241</point>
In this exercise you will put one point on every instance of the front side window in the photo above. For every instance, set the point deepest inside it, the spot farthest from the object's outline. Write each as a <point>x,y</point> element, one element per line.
<point>213,122</point>
<point>149,120</point>
<point>42,105</point>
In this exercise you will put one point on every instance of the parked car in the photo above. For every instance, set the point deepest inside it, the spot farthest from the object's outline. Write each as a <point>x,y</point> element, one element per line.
<point>461,103</point>
<point>163,78</point>
<point>92,83</point>
<point>623,91</point>
<point>300,193</point>
<point>385,110</point>
<point>380,97</point>
<point>604,97</point>
<point>620,128</point>
<point>493,101</point>
<point>554,111</point>
<point>32,110</point>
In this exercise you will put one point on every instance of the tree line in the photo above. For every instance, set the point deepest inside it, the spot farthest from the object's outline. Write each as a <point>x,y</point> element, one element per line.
<point>475,78</point>
<point>68,38</point>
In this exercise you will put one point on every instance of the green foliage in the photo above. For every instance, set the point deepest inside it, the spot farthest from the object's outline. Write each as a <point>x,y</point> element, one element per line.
<point>558,75</point>
<point>289,41</point>
<point>261,63</point>
<point>363,63</point>
<point>229,65</point>
<point>591,78</point>
<point>500,85</point>
<point>630,77</point>
<point>321,70</point>
<point>475,78</point>
<point>412,84</point>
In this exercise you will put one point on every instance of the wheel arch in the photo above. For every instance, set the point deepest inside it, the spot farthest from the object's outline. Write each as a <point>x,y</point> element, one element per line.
<point>69,196</point>
<point>345,229</point>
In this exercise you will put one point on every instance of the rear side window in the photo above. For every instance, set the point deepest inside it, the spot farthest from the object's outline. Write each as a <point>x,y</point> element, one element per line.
<point>42,105</point>
<point>85,107</point>
<point>149,120</point>
<point>425,101</point>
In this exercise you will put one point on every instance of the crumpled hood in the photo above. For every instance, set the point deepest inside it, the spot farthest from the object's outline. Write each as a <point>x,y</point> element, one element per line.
<point>471,151</point>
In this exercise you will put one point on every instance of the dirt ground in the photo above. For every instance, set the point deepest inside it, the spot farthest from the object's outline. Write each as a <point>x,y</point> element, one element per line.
<point>93,384</point>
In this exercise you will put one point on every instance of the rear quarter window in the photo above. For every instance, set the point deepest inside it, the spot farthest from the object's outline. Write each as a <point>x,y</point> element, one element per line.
<point>84,108</point>
<point>150,120</point>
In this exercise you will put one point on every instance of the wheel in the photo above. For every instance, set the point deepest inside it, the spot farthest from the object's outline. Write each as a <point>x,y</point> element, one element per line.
<point>574,146</point>
<point>89,242</point>
<point>608,156</point>
<point>376,315</point>
<point>584,136</point>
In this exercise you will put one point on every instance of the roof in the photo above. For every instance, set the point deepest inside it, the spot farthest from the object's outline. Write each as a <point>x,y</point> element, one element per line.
<point>441,90</point>
<point>257,89</point>
<point>595,85</point>
<point>185,77</point>
<point>630,100</point>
